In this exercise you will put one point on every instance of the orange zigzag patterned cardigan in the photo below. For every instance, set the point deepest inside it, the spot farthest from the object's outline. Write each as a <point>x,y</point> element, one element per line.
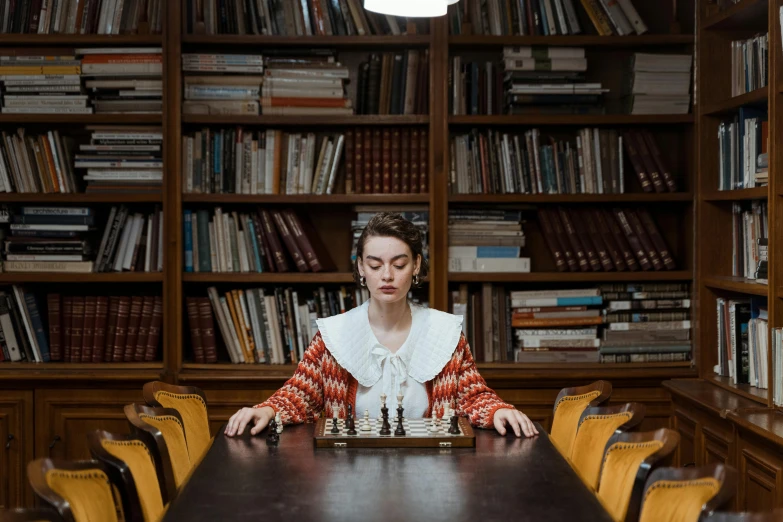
<point>320,384</point>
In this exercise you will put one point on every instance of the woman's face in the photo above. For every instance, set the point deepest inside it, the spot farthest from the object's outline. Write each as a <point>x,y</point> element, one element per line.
<point>388,267</point>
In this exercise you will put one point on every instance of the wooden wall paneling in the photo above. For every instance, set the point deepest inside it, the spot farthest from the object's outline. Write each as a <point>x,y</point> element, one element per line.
<point>688,428</point>
<point>63,417</point>
<point>760,468</point>
<point>439,146</point>
<point>775,270</point>
<point>16,447</point>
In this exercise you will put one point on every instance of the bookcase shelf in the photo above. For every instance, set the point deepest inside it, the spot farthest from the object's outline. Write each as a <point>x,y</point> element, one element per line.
<point>641,197</point>
<point>94,119</point>
<point>307,121</point>
<point>739,194</point>
<point>358,42</point>
<point>306,199</point>
<point>81,39</point>
<point>745,390</point>
<point>573,119</point>
<point>747,14</point>
<point>757,97</point>
<point>622,42</point>
<point>568,277</point>
<point>268,277</point>
<point>66,277</point>
<point>62,371</point>
<point>735,284</point>
<point>80,198</point>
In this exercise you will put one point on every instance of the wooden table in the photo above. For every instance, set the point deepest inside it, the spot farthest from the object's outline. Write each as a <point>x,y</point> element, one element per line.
<point>503,478</point>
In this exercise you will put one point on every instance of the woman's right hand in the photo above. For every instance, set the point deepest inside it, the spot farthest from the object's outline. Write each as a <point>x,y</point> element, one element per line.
<point>257,417</point>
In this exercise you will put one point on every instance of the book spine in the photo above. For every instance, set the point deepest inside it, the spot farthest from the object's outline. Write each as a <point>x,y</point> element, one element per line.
<point>551,241</point>
<point>644,239</point>
<point>621,241</point>
<point>207,329</point>
<point>655,236</point>
<point>111,328</point>
<point>609,240</point>
<point>636,160</point>
<point>665,173</point>
<point>350,157</point>
<point>121,328</point>
<point>274,243</point>
<point>195,331</point>
<point>573,238</point>
<point>99,331</point>
<point>132,334</point>
<point>290,242</point>
<point>633,239</point>
<point>423,162</point>
<point>602,251</point>
<point>77,324</point>
<point>88,329</point>
<point>302,241</point>
<point>647,161</point>
<point>153,337</point>
<point>55,333</point>
<point>144,329</point>
<point>67,322</point>
<point>386,161</point>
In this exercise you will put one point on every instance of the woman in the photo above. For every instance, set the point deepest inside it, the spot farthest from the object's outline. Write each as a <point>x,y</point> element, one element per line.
<point>386,346</point>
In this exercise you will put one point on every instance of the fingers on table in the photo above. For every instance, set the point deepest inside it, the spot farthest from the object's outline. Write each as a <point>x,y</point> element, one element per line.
<point>260,425</point>
<point>527,425</point>
<point>500,424</point>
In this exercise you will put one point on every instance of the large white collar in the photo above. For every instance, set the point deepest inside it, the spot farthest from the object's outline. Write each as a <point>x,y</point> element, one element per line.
<point>433,337</point>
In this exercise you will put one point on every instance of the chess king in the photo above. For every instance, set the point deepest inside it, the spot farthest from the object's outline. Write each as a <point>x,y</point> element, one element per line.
<point>389,346</point>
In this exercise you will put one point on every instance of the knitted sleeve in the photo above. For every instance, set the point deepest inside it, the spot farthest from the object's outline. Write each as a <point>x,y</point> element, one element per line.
<point>476,400</point>
<point>302,396</point>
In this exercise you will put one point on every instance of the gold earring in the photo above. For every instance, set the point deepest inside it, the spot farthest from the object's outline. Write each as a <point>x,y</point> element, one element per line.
<point>363,281</point>
<point>416,280</point>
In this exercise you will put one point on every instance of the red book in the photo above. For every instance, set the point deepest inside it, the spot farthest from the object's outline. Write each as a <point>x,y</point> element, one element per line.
<point>207,328</point>
<point>633,239</point>
<point>270,235</point>
<point>551,241</point>
<point>292,220</point>
<point>263,244</point>
<point>77,324</point>
<point>195,330</point>
<point>600,246</point>
<point>611,244</point>
<point>367,169</point>
<point>405,161</point>
<point>121,329</point>
<point>414,161</point>
<point>386,161</point>
<point>644,239</point>
<point>668,179</point>
<point>562,238</point>
<point>620,239</point>
<point>377,161</point>
<point>88,330</point>
<point>101,317</point>
<point>153,339</point>
<point>585,238</point>
<point>649,164</point>
<point>424,161</point>
<point>636,160</point>
<point>656,238</point>
<point>55,331</point>
<point>67,321</point>
<point>573,238</point>
<point>144,328</point>
<point>111,328</point>
<point>395,161</point>
<point>134,319</point>
<point>290,242</point>
<point>358,161</point>
<point>350,157</point>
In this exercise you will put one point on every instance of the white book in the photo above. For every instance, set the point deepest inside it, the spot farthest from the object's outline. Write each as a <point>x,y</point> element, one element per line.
<point>213,250</point>
<point>8,330</point>
<point>133,241</point>
<point>488,264</point>
<point>27,323</point>
<point>255,324</point>
<point>335,163</point>
<point>244,265</point>
<point>633,16</point>
<point>221,255</point>
<point>148,246</point>
<point>252,187</point>
<point>119,256</point>
<point>225,331</point>
<point>277,344</point>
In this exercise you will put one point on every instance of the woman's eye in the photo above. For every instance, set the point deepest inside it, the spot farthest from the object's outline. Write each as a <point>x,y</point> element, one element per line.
<point>375,267</point>
<point>399,267</point>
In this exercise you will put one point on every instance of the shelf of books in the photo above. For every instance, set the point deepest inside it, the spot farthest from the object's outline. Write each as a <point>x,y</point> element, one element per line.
<point>740,45</point>
<point>81,189</point>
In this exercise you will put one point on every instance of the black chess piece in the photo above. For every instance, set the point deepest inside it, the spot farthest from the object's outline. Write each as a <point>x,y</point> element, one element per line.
<point>349,422</point>
<point>400,431</point>
<point>385,426</point>
<point>335,429</point>
<point>272,437</point>
<point>454,427</point>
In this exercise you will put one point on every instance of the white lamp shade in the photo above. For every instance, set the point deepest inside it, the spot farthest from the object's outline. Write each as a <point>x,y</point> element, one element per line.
<point>408,8</point>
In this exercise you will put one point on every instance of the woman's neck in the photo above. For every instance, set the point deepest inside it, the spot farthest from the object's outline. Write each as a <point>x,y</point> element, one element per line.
<point>389,317</point>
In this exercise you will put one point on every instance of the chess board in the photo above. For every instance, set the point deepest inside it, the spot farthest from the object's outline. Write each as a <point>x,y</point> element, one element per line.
<point>417,435</point>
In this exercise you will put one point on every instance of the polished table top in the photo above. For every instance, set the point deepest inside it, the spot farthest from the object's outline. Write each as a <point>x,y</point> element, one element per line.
<point>503,478</point>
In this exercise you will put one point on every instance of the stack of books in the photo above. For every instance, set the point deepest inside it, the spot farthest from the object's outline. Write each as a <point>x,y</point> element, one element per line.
<point>394,83</point>
<point>661,84</point>
<point>647,322</point>
<point>124,80</point>
<point>36,163</point>
<point>418,215</point>
<point>42,84</point>
<point>742,341</point>
<point>122,159</point>
<point>49,239</point>
<point>131,242</point>
<point>226,83</point>
<point>81,17</point>
<point>234,242</point>
<point>476,87</point>
<point>311,84</point>
<point>549,80</point>
<point>651,170</point>
<point>556,325</point>
<point>743,145</point>
<point>749,225</point>
<point>386,160</point>
<point>486,241</point>
<point>749,64</point>
<point>22,336</point>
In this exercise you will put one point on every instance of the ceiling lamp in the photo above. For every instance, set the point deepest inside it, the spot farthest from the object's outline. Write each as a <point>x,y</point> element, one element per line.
<point>409,8</point>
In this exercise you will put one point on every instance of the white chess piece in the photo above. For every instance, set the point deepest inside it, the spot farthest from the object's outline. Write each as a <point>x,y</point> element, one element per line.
<point>366,426</point>
<point>279,422</point>
<point>434,423</point>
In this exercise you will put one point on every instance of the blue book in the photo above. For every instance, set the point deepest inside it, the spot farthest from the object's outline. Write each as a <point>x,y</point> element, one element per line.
<point>204,260</point>
<point>256,253</point>
<point>188,232</point>
<point>37,325</point>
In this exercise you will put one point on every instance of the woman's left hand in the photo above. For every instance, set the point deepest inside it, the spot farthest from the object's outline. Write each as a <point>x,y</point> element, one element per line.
<point>518,421</point>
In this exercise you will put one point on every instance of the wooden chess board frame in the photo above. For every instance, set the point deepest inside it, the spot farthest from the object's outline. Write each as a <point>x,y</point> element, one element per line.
<point>323,439</point>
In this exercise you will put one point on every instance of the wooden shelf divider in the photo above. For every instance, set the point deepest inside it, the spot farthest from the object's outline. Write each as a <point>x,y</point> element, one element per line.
<point>735,284</point>
<point>534,199</point>
<point>573,119</point>
<point>268,277</point>
<point>621,42</point>
<point>742,15</point>
<point>308,121</point>
<point>736,195</point>
<point>569,277</point>
<point>307,199</point>
<point>757,97</point>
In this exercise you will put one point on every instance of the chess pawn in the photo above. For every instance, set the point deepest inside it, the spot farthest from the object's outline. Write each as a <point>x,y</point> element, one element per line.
<point>335,428</point>
<point>272,437</point>
<point>454,427</point>
<point>366,426</point>
<point>279,422</point>
<point>349,422</point>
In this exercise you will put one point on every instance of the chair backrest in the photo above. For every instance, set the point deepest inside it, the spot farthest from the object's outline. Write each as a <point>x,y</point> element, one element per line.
<point>80,490</point>
<point>628,460</point>
<point>685,494</point>
<point>596,427</point>
<point>132,465</point>
<point>191,404</point>
<point>765,516</point>
<point>569,405</point>
<point>30,515</point>
<point>163,432</point>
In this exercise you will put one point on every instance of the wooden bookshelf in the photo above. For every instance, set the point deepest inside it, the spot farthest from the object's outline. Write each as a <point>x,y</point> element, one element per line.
<point>735,284</point>
<point>736,195</point>
<point>342,42</point>
<point>746,14</point>
<point>619,42</point>
<point>307,199</point>
<point>102,40</point>
<point>126,197</point>
<point>749,392</point>
<point>569,277</point>
<point>729,106</point>
<point>64,277</point>
<point>573,119</point>
<point>308,121</point>
<point>83,119</point>
<point>640,197</point>
<point>268,278</point>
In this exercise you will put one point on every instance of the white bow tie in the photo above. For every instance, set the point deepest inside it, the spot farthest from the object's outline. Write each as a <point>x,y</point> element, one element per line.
<point>395,372</point>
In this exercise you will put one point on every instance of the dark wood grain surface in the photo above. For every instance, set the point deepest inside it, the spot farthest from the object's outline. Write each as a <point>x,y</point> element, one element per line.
<point>503,478</point>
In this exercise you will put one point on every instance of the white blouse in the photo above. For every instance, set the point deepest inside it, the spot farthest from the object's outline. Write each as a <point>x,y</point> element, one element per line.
<point>431,342</point>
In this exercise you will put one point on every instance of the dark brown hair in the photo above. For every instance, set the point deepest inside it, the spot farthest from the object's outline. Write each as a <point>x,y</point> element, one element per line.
<point>391,224</point>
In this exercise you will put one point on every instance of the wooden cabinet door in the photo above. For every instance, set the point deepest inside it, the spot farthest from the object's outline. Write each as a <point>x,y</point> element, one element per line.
<point>687,427</point>
<point>64,417</point>
<point>16,450</point>
<point>715,446</point>
<point>222,404</point>
<point>760,476</point>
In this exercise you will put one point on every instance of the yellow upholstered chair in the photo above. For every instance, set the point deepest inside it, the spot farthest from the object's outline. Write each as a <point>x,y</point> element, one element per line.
<point>686,494</point>
<point>765,516</point>
<point>569,405</point>
<point>628,460</point>
<point>191,404</point>
<point>29,515</point>
<point>163,432</point>
<point>596,427</point>
<point>79,491</point>
<point>133,466</point>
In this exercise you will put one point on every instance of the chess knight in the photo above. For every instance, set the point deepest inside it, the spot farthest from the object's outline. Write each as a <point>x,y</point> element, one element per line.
<point>387,346</point>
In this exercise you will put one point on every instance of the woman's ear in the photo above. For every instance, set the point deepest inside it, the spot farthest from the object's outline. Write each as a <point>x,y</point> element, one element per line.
<point>417,264</point>
<point>359,266</point>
